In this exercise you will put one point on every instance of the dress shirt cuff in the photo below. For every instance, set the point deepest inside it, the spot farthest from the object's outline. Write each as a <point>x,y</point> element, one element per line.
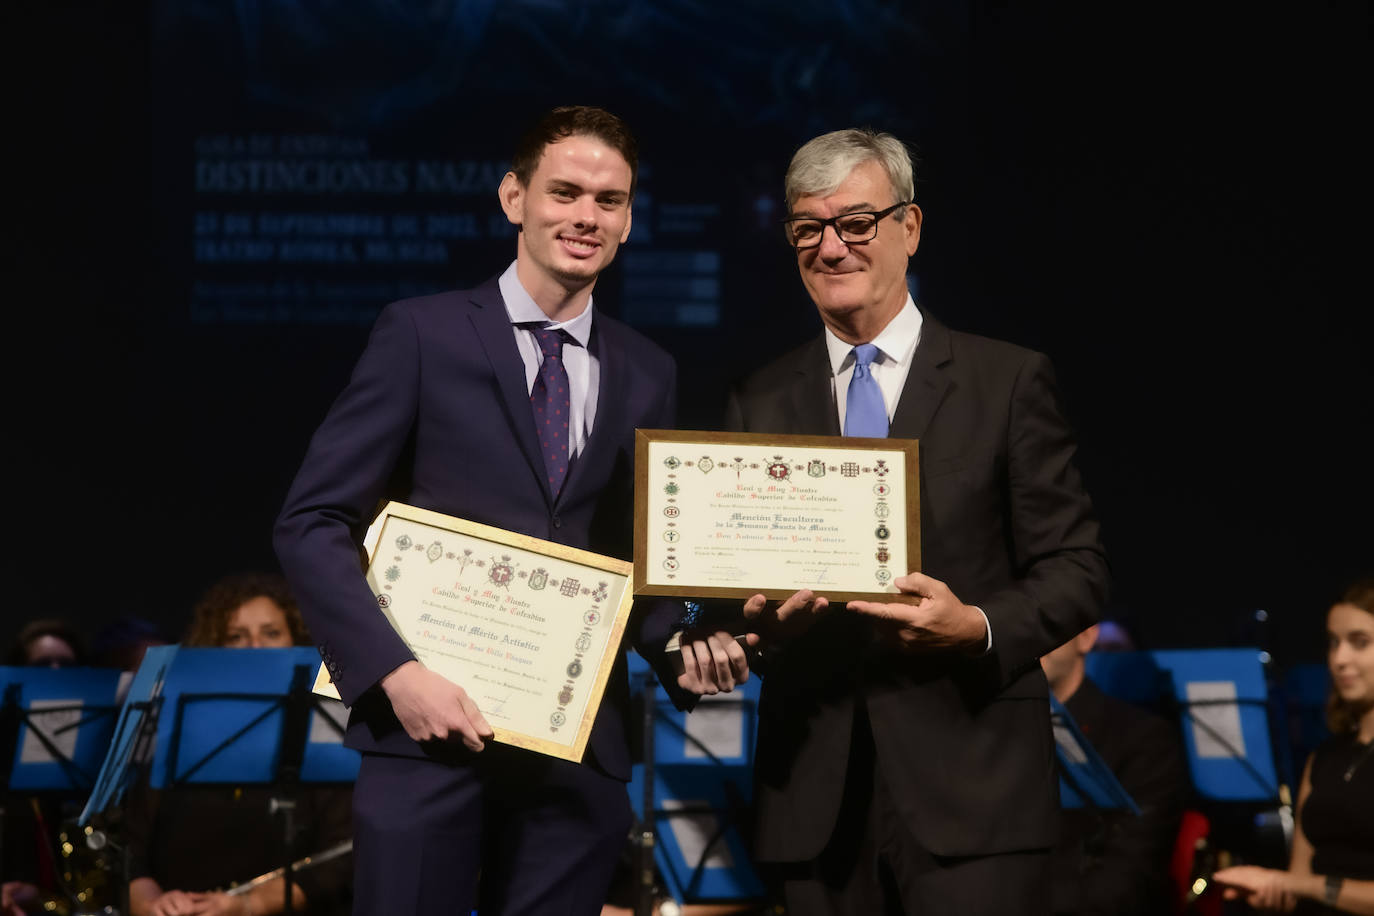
<point>987,624</point>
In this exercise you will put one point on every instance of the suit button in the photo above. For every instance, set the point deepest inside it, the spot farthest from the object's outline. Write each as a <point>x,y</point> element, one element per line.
<point>557,522</point>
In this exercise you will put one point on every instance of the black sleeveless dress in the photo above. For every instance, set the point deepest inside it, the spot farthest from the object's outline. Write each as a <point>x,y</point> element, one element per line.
<point>1338,817</point>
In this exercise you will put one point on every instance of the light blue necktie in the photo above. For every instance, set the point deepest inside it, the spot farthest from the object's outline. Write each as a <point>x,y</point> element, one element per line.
<point>865,414</point>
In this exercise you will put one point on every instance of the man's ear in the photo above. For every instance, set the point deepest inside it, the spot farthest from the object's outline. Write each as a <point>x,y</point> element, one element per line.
<point>629,219</point>
<point>512,197</point>
<point>911,228</point>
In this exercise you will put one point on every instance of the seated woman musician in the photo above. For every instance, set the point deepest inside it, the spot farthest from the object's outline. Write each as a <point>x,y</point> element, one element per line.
<point>190,844</point>
<point>1331,866</point>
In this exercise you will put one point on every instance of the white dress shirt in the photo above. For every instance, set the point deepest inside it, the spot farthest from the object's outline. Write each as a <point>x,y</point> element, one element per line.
<point>584,369</point>
<point>896,345</point>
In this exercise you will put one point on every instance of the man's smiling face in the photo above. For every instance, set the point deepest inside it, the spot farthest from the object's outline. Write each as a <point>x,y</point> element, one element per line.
<point>863,277</point>
<point>573,215</point>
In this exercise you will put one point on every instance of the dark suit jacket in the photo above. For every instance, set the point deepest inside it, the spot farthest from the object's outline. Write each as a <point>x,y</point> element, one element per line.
<point>437,415</point>
<point>964,744</point>
<point>1116,863</point>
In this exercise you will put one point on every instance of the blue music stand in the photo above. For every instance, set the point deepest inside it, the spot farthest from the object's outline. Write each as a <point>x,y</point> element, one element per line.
<point>698,790</point>
<point>225,716</point>
<point>1085,780</point>
<point>719,732</point>
<point>1223,705</point>
<point>697,815</point>
<point>1131,676</point>
<point>55,726</point>
<point>140,700</point>
<point>1304,689</point>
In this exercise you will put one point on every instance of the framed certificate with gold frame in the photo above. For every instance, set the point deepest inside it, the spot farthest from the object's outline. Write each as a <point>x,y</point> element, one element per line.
<point>529,628</point>
<point>729,515</point>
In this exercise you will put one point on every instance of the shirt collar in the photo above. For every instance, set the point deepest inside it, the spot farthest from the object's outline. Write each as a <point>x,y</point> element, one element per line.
<point>524,311</point>
<point>896,342</point>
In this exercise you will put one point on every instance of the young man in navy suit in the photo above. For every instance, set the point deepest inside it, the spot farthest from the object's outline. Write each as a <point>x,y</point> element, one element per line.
<point>457,405</point>
<point>904,760</point>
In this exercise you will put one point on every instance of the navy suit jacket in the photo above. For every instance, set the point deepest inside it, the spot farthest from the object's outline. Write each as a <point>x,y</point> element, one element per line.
<point>964,744</point>
<point>437,415</point>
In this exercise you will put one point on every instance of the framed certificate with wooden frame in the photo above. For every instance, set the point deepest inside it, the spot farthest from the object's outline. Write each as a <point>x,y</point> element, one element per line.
<point>730,515</point>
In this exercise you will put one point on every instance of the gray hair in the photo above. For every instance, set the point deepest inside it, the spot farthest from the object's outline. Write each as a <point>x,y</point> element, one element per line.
<point>822,164</point>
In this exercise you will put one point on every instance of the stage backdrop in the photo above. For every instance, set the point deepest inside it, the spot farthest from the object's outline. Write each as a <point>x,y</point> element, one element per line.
<point>221,196</point>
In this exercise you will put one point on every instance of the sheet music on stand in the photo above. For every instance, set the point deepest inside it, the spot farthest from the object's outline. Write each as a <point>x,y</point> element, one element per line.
<point>1223,703</point>
<point>1085,780</point>
<point>55,727</point>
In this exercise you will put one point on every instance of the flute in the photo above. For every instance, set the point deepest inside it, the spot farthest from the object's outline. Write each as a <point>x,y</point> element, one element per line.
<point>318,858</point>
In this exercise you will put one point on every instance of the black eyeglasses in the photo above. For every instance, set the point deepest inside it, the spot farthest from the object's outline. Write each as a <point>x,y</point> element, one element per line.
<point>852,228</point>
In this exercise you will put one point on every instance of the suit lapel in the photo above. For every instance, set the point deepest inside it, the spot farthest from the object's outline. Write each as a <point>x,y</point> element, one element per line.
<point>491,324</point>
<point>813,397</point>
<point>926,383</point>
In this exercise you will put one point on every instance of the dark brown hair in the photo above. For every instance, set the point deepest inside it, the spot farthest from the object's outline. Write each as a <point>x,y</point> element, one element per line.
<point>1341,717</point>
<point>574,121</point>
<point>210,619</point>
<point>58,629</point>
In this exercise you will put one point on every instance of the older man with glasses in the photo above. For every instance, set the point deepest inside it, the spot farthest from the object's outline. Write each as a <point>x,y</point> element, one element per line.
<point>905,762</point>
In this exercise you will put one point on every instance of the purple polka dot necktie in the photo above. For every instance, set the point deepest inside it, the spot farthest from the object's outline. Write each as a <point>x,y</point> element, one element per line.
<point>550,400</point>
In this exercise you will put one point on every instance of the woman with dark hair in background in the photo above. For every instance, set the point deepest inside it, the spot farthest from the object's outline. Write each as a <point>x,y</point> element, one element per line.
<point>248,611</point>
<point>1331,867</point>
<point>47,644</point>
<point>188,840</point>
